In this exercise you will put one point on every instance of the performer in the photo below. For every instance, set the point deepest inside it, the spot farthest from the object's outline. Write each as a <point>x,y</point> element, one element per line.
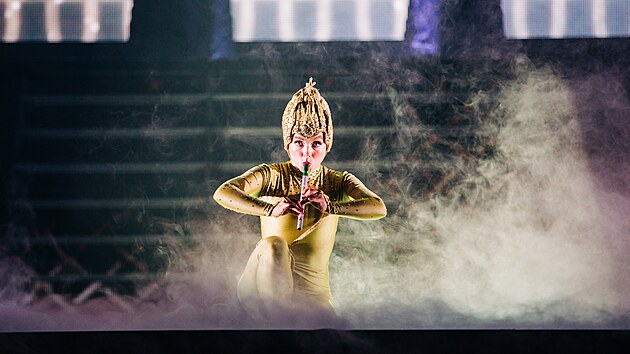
<point>288,269</point>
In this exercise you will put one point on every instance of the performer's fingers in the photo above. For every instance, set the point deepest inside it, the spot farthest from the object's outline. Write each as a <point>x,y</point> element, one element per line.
<point>310,191</point>
<point>285,208</point>
<point>281,208</point>
<point>292,203</point>
<point>293,206</point>
<point>315,195</point>
<point>294,211</point>
<point>317,199</point>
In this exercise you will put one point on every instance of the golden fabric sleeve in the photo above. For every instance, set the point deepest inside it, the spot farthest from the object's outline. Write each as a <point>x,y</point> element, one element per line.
<point>359,202</point>
<point>241,193</point>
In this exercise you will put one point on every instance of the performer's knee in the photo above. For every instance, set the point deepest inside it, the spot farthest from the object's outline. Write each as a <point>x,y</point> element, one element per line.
<point>275,246</point>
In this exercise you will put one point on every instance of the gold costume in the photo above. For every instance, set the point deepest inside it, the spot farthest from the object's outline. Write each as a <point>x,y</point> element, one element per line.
<point>307,114</point>
<point>290,264</point>
<point>256,191</point>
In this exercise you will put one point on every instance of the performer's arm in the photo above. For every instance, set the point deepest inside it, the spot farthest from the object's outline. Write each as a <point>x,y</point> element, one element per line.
<point>240,194</point>
<point>362,203</point>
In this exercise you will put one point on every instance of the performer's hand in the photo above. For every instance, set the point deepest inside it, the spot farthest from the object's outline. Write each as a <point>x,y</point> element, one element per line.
<point>286,206</point>
<point>315,197</point>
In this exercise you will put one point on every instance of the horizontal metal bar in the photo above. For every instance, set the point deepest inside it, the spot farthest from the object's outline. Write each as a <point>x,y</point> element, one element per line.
<point>99,277</point>
<point>331,96</point>
<point>103,240</point>
<point>120,100</point>
<point>187,132</point>
<point>184,99</point>
<point>111,168</point>
<point>154,203</point>
<point>182,168</point>
<point>132,168</point>
<point>121,239</point>
<point>115,133</point>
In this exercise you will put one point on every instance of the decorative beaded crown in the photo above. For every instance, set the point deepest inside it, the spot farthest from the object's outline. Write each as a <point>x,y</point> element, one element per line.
<point>307,114</point>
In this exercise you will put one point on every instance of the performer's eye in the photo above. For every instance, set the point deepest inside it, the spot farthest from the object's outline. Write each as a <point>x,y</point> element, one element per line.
<point>317,143</point>
<point>298,142</point>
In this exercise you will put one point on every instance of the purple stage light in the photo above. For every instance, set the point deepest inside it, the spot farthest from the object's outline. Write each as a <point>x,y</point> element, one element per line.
<point>423,26</point>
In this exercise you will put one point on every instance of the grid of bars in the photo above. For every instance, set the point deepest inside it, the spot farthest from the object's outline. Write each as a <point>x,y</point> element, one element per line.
<point>65,20</point>
<point>77,207</point>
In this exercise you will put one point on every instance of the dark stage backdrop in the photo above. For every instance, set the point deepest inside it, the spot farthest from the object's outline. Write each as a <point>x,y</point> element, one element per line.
<point>503,164</point>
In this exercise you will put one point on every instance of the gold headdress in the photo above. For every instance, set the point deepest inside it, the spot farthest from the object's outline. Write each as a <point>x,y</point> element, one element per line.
<point>307,114</point>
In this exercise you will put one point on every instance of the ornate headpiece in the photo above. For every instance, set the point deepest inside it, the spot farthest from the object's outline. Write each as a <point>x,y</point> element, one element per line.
<point>307,114</point>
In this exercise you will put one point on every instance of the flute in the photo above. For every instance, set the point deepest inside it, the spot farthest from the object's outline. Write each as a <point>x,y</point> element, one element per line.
<point>300,221</point>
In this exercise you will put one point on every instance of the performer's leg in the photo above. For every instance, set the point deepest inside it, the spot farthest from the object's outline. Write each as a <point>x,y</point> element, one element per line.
<point>274,277</point>
<point>247,290</point>
<point>266,285</point>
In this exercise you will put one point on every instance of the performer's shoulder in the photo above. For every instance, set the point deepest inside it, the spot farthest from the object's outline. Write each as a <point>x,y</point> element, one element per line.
<point>336,174</point>
<point>278,168</point>
<point>260,167</point>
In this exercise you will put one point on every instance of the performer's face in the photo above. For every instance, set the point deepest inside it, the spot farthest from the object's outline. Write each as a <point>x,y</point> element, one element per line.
<point>311,150</point>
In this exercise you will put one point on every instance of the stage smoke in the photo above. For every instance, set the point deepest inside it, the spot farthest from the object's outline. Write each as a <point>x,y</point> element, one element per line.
<point>523,240</point>
<point>525,226</point>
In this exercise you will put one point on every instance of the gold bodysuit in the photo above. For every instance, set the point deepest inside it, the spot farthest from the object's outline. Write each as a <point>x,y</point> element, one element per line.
<point>258,190</point>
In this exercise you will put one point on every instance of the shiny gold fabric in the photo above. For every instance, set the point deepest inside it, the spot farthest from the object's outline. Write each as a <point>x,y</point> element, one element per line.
<point>256,191</point>
<point>307,114</point>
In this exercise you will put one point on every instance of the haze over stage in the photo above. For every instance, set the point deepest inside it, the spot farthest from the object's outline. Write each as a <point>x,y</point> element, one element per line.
<point>503,164</point>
